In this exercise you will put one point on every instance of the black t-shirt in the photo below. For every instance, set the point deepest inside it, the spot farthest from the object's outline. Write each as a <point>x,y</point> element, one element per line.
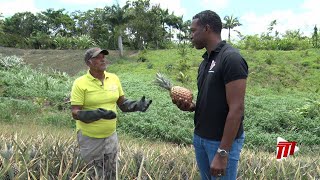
<point>224,65</point>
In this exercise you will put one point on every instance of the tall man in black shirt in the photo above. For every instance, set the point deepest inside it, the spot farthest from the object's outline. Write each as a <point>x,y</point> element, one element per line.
<point>219,109</point>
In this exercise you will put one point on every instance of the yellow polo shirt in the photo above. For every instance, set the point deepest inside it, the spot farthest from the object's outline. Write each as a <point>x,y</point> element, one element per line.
<point>89,92</point>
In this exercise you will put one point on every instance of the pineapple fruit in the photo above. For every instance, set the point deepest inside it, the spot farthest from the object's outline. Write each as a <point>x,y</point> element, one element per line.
<point>176,92</point>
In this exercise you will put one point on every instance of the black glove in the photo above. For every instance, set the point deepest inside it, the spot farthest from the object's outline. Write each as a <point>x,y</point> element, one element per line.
<point>132,106</point>
<point>88,116</point>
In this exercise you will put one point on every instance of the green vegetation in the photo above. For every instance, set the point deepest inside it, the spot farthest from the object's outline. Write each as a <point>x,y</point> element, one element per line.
<point>282,100</point>
<point>112,27</point>
<point>139,24</point>
<point>37,135</point>
<point>48,152</point>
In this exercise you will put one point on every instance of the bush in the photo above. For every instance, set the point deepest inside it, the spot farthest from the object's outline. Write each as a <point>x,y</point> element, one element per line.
<point>310,110</point>
<point>40,40</point>
<point>24,82</point>
<point>7,62</point>
<point>14,110</point>
<point>13,40</point>
<point>83,42</point>
<point>77,42</point>
<point>262,42</point>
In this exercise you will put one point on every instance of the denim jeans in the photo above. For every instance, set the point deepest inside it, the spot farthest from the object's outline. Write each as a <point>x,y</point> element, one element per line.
<point>205,151</point>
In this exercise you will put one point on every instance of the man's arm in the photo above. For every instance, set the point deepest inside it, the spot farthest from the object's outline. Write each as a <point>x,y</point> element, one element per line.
<point>235,93</point>
<point>120,100</point>
<point>74,111</point>
<point>89,116</point>
<point>127,105</point>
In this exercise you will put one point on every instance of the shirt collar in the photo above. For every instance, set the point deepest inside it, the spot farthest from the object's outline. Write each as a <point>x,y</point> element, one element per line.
<point>89,76</point>
<point>215,51</point>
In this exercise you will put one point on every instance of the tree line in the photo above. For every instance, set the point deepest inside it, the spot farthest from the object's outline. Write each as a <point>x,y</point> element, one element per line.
<point>136,25</point>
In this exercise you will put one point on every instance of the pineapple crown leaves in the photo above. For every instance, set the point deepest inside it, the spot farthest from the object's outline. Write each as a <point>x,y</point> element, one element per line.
<point>162,81</point>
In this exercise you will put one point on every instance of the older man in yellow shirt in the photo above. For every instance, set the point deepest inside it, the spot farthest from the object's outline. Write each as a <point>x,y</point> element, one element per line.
<point>94,98</point>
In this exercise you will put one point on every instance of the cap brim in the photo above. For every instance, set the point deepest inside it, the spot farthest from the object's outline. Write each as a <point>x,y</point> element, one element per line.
<point>103,51</point>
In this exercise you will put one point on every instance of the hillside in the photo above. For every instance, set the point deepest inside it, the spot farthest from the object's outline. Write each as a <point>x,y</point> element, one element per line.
<point>282,94</point>
<point>69,61</point>
<point>295,70</point>
<point>282,100</point>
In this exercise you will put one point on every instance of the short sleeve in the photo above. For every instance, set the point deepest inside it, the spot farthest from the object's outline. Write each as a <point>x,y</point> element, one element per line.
<point>120,90</point>
<point>234,68</point>
<point>77,94</point>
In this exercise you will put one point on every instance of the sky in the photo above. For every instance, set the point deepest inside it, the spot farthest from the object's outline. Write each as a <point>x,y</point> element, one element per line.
<point>254,15</point>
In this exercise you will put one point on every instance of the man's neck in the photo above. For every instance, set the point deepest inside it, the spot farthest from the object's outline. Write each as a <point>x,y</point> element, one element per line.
<point>97,74</point>
<point>212,45</point>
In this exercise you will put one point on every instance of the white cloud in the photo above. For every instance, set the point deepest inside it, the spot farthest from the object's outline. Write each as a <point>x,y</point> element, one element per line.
<point>312,5</point>
<point>214,5</point>
<point>97,3</point>
<point>10,7</point>
<point>304,20</point>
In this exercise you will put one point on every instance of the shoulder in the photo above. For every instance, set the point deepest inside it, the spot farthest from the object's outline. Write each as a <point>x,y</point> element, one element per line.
<point>233,58</point>
<point>231,53</point>
<point>80,79</point>
<point>228,49</point>
<point>112,76</point>
<point>81,82</point>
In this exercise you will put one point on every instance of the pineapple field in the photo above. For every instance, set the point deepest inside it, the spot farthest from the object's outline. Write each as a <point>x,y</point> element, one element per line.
<point>37,139</point>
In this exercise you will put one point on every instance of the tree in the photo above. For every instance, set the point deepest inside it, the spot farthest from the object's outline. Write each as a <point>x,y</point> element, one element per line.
<point>118,17</point>
<point>1,22</point>
<point>95,24</point>
<point>57,22</point>
<point>293,34</point>
<point>139,26</point>
<point>21,24</point>
<point>184,33</point>
<point>315,37</point>
<point>230,23</point>
<point>18,28</point>
<point>271,28</point>
<point>151,25</point>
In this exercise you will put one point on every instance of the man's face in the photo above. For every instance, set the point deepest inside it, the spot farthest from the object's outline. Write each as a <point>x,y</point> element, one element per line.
<point>98,63</point>
<point>198,34</point>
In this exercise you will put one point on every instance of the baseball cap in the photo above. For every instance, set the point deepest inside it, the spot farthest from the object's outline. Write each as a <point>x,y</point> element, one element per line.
<point>94,52</point>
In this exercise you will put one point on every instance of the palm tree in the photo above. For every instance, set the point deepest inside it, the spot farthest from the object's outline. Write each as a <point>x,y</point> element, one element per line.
<point>118,17</point>
<point>1,22</point>
<point>230,23</point>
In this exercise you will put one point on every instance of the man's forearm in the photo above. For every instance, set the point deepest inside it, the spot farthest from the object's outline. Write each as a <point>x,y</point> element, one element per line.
<point>89,116</point>
<point>231,128</point>
<point>128,106</point>
<point>75,114</point>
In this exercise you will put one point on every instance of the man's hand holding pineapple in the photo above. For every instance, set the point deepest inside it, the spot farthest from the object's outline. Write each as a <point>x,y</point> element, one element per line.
<point>180,96</point>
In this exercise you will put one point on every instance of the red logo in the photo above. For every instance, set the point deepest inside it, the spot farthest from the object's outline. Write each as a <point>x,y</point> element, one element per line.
<point>285,148</point>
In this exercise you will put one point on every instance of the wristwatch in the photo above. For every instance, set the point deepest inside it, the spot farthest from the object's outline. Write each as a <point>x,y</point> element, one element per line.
<point>222,152</point>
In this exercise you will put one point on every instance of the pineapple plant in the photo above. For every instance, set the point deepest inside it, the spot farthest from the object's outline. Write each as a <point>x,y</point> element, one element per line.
<point>176,92</point>
<point>10,172</point>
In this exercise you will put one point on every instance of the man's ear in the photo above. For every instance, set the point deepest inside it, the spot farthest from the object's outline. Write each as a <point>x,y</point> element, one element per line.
<point>88,62</point>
